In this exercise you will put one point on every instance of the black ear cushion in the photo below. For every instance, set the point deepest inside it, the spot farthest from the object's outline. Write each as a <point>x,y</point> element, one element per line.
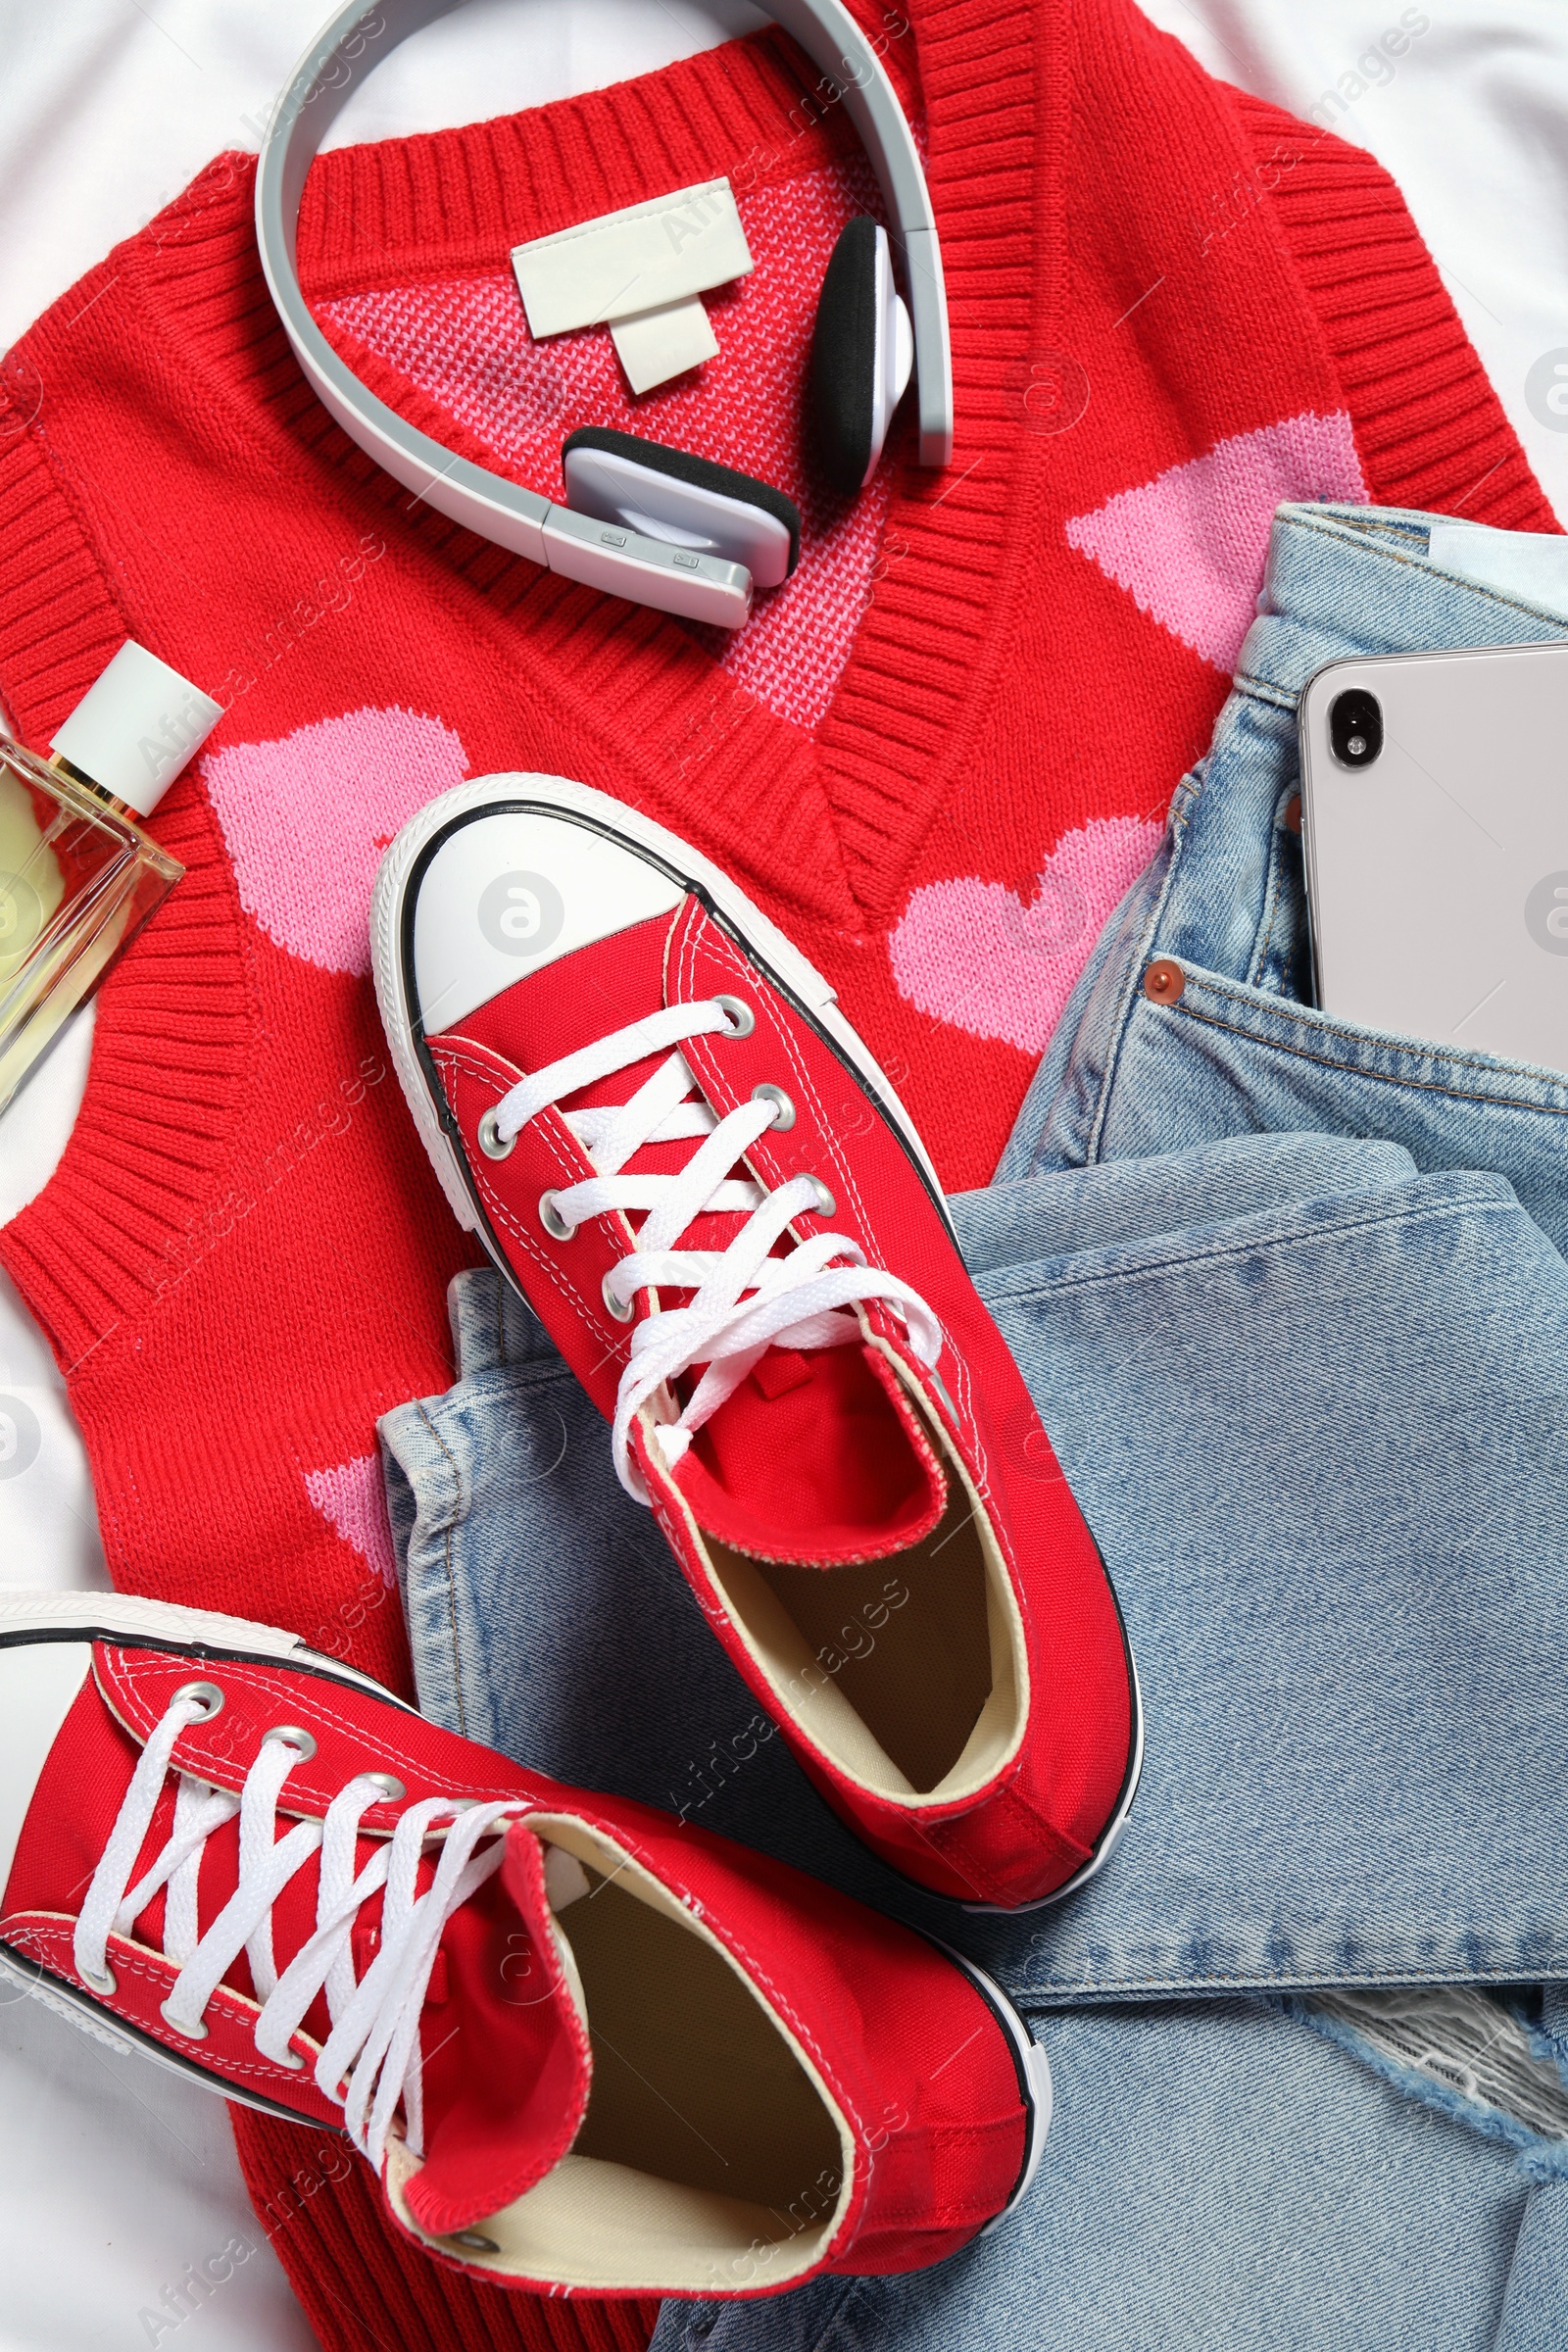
<point>682,467</point>
<point>844,357</point>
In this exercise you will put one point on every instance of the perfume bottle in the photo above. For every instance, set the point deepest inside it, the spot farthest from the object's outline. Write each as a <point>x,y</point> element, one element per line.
<point>79,877</point>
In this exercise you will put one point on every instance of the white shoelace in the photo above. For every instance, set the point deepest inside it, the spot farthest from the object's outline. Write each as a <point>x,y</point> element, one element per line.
<point>375,2019</point>
<point>744,1300</point>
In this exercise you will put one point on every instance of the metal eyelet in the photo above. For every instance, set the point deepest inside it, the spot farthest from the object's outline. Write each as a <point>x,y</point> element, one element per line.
<point>551,1219</point>
<point>391,1787</point>
<point>742,1019</point>
<point>289,1735</point>
<point>102,1980</point>
<point>208,1693</point>
<point>623,1313</point>
<point>292,2060</point>
<point>827,1205</point>
<point>474,2241</point>
<point>492,1143</point>
<point>196,2032</point>
<point>783,1108</point>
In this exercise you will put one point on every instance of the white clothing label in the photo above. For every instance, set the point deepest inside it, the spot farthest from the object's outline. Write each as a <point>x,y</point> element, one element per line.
<point>658,344</point>
<point>651,257</point>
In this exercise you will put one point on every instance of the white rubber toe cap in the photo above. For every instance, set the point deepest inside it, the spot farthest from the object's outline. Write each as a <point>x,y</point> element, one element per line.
<point>514,891</point>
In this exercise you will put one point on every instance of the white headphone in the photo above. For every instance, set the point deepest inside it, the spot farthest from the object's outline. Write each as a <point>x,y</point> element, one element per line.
<point>728,530</point>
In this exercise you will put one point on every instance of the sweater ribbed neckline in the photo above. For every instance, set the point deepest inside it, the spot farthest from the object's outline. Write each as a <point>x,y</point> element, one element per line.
<point>449,201</point>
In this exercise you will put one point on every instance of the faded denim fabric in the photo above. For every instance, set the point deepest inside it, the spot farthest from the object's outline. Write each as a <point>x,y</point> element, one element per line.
<point>1290,1300</point>
<point>1222,2173</point>
<point>1309,1401</point>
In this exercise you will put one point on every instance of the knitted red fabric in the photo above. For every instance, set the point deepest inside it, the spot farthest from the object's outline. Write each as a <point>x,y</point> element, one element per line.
<point>936,758</point>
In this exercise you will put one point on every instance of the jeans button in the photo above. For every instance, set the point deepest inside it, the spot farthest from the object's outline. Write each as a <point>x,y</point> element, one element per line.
<point>1164,981</point>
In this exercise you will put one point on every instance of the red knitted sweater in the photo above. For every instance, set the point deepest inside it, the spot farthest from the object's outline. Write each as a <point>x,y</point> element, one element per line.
<point>937,757</point>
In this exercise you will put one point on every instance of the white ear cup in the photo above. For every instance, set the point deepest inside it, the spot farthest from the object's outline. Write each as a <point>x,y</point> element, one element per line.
<point>894,353</point>
<point>862,353</point>
<point>683,502</point>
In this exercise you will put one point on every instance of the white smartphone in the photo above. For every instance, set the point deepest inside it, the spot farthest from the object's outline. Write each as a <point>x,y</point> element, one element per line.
<point>1435,828</point>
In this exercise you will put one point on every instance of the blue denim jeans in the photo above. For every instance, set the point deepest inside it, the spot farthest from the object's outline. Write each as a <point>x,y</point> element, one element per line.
<point>1291,1302</point>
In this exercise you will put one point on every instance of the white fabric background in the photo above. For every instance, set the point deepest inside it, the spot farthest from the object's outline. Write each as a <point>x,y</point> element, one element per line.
<point>116,2178</point>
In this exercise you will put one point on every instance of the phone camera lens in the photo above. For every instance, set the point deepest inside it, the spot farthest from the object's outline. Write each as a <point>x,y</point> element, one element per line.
<point>1356,727</point>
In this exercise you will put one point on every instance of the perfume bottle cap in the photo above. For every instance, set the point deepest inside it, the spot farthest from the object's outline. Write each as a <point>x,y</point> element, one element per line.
<point>134,729</point>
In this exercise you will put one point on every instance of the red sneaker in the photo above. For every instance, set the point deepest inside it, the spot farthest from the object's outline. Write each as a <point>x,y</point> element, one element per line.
<point>586,2049</point>
<point>648,1105</point>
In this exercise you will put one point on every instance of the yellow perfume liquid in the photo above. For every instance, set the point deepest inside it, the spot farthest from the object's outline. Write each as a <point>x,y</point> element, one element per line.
<point>78,876</point>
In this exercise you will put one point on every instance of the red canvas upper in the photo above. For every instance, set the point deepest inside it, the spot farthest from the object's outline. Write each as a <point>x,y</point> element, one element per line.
<point>937,2147</point>
<point>816,1458</point>
<point>503,2098</point>
<point>242,1257</point>
<point>795,1466</point>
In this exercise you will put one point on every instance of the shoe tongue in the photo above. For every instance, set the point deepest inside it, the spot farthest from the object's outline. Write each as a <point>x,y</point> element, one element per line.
<point>817,1460</point>
<point>574,1002</point>
<point>507,2059</point>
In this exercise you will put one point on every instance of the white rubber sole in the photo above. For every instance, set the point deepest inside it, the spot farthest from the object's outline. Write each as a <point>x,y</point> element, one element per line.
<point>1034,2076</point>
<point>1107,1843</point>
<point>126,1617</point>
<point>558,796</point>
<point>203,1633</point>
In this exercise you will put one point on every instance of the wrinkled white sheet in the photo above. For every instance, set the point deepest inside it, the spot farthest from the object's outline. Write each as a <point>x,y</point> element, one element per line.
<point>116,2177</point>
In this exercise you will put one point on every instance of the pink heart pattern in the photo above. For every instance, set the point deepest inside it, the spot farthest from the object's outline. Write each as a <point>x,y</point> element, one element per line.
<point>972,953</point>
<point>1190,546</point>
<point>307,818</point>
<point>350,1499</point>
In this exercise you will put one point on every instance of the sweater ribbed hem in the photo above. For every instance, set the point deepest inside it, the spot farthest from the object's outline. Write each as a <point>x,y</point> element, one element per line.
<point>359,2284</point>
<point>1430,428</point>
<point>164,1088</point>
<point>451,203</point>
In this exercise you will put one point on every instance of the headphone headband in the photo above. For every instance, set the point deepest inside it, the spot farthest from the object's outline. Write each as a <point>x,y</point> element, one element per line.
<point>647,571</point>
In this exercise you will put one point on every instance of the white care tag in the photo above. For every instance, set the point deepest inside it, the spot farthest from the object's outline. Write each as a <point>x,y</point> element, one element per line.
<point>658,344</point>
<point>649,257</point>
<point>1533,564</point>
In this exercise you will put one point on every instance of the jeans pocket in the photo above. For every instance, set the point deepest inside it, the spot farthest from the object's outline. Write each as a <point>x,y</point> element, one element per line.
<point>1202,1056</point>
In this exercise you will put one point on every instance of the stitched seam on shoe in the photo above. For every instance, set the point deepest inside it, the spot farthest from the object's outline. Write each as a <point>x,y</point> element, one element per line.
<point>688,979</point>
<point>722,948</point>
<point>589,1310</point>
<point>251,1680</point>
<point>127,1958</point>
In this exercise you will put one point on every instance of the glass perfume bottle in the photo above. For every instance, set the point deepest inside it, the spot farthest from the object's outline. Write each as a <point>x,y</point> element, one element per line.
<point>79,877</point>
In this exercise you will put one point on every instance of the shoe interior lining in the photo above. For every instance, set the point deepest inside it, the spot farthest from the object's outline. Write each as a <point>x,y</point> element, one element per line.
<point>906,1670</point>
<point>708,2158</point>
